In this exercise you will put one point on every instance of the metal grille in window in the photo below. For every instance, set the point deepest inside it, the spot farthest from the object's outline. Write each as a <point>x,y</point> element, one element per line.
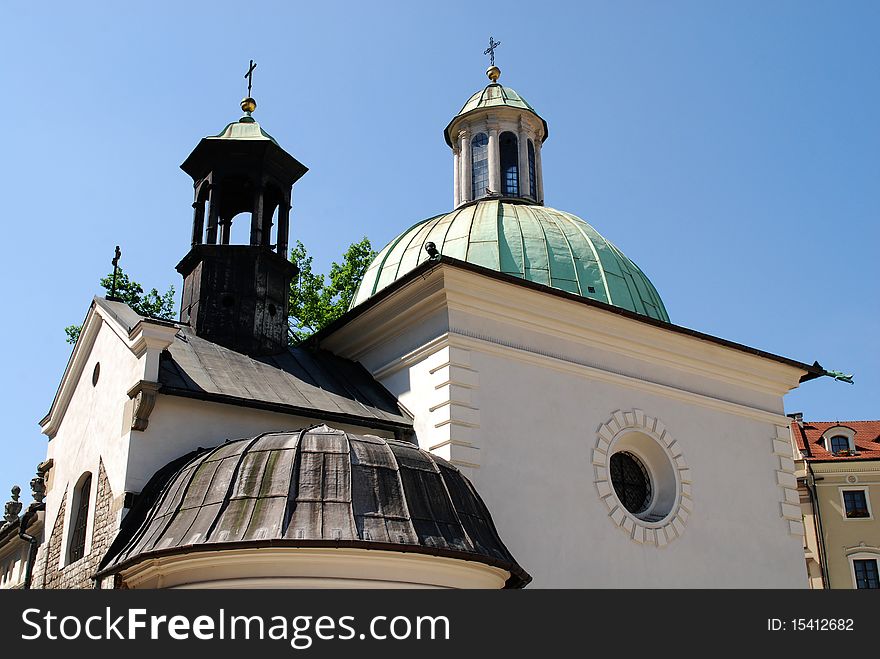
<point>855,503</point>
<point>78,535</point>
<point>839,443</point>
<point>631,482</point>
<point>866,573</point>
<point>509,165</point>
<point>533,192</point>
<point>480,165</point>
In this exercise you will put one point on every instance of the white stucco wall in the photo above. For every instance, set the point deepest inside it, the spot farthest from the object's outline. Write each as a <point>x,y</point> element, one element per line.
<point>289,567</point>
<point>180,425</point>
<point>514,391</point>
<point>89,425</point>
<point>93,427</point>
<point>537,431</point>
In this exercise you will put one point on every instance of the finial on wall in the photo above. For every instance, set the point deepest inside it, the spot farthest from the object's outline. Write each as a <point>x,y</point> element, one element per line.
<point>38,487</point>
<point>13,506</point>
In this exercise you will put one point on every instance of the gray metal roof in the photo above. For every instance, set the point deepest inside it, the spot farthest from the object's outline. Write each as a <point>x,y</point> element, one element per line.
<point>304,381</point>
<point>301,380</point>
<point>315,487</point>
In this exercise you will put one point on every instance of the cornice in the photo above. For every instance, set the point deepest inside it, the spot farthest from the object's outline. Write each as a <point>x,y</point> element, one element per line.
<point>595,328</point>
<point>455,290</point>
<point>860,466</point>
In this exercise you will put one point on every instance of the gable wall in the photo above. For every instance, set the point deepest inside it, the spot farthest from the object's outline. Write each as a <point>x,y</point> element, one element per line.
<point>92,435</point>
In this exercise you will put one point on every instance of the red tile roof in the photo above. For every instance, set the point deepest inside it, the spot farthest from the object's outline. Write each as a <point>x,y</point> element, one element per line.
<point>808,437</point>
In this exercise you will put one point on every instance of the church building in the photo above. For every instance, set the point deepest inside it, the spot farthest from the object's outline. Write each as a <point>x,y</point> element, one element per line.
<point>506,402</point>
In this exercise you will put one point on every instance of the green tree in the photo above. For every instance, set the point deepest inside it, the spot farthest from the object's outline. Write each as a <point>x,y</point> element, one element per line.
<point>130,292</point>
<point>316,302</point>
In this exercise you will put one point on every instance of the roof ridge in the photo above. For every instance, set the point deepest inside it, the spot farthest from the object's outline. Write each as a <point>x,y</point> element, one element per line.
<point>841,422</point>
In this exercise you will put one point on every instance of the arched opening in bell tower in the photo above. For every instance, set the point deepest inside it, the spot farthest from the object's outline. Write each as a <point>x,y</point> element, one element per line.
<point>509,149</point>
<point>480,166</point>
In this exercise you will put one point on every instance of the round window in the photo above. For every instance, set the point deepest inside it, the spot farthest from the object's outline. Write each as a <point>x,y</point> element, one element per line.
<point>642,477</point>
<point>631,482</point>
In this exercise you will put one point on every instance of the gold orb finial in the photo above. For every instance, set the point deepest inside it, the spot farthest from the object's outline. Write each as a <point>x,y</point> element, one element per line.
<point>248,104</point>
<point>494,73</point>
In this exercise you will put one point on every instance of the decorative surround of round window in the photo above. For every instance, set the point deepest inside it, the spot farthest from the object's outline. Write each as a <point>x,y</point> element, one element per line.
<point>642,477</point>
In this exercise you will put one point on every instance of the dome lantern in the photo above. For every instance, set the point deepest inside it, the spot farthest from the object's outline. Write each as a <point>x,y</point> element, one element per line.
<point>496,141</point>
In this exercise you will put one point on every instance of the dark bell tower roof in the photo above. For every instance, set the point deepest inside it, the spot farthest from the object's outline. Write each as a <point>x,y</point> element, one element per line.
<point>248,136</point>
<point>237,295</point>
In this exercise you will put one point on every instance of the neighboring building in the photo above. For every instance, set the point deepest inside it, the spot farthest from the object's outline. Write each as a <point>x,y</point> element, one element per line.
<point>504,348</point>
<point>838,471</point>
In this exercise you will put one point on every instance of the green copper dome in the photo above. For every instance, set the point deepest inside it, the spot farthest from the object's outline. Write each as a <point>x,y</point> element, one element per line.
<point>493,95</point>
<point>539,244</point>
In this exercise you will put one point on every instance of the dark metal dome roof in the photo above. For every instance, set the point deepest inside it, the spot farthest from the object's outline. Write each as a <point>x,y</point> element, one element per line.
<point>317,487</point>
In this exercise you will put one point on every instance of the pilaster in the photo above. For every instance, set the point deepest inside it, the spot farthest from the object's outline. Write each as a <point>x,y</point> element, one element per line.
<point>539,173</point>
<point>523,143</point>
<point>494,159</point>
<point>453,414</point>
<point>456,178</point>
<point>466,164</point>
<point>789,501</point>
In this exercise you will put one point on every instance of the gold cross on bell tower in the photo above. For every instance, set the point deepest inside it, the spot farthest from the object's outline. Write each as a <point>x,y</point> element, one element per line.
<point>493,71</point>
<point>250,75</point>
<point>248,104</point>
<point>490,51</point>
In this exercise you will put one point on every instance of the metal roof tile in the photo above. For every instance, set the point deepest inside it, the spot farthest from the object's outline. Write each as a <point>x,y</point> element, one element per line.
<point>318,485</point>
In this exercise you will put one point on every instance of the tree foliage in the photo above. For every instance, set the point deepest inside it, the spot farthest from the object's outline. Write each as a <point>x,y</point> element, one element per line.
<point>151,303</point>
<point>316,300</point>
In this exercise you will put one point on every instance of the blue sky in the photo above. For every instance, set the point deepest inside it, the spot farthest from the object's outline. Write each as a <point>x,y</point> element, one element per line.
<point>728,148</point>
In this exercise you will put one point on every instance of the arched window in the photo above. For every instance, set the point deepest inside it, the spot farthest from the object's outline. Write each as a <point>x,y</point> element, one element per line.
<point>533,189</point>
<point>839,443</point>
<point>509,165</point>
<point>480,165</point>
<point>80,519</point>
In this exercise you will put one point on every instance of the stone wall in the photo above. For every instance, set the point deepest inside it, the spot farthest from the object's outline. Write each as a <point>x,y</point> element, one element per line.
<point>79,574</point>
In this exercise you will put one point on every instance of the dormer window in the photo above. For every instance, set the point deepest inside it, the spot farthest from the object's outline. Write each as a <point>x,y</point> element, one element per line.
<point>839,443</point>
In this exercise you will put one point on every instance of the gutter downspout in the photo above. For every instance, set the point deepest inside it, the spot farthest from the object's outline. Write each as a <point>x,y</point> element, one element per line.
<point>32,552</point>
<point>817,523</point>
